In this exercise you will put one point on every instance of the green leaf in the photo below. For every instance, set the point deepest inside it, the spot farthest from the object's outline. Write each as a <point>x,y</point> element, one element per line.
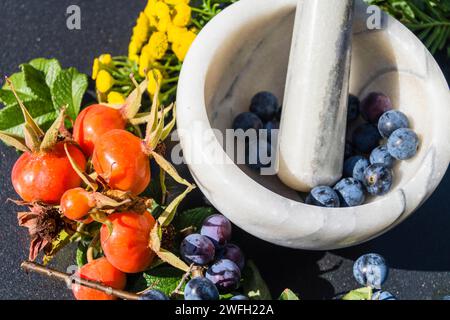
<point>253,284</point>
<point>61,240</point>
<point>24,93</point>
<point>192,218</point>
<point>81,257</point>
<point>163,278</point>
<point>359,294</point>
<point>33,85</point>
<point>226,296</point>
<point>68,89</point>
<point>287,294</point>
<point>35,80</point>
<point>50,67</point>
<point>11,118</point>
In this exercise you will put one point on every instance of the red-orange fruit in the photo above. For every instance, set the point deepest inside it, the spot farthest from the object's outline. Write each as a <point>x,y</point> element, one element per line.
<point>45,176</point>
<point>119,158</point>
<point>99,270</point>
<point>127,247</point>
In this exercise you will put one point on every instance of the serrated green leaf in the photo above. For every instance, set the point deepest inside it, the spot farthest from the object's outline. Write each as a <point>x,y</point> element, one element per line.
<point>287,294</point>
<point>165,279</point>
<point>50,67</point>
<point>11,118</point>
<point>253,284</point>
<point>192,218</point>
<point>24,93</point>
<point>68,89</point>
<point>359,294</point>
<point>35,80</point>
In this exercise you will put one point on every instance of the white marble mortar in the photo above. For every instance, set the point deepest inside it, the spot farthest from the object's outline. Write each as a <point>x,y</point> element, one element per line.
<point>244,50</point>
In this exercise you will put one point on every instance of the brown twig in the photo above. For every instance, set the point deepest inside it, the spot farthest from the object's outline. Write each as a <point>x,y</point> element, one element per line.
<point>182,281</point>
<point>71,279</point>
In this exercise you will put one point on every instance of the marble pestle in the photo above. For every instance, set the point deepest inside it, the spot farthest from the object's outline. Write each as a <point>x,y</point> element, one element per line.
<point>313,123</point>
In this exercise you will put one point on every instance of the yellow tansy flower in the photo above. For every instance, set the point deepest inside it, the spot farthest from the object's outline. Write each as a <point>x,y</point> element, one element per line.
<point>115,97</point>
<point>175,2</point>
<point>148,11</point>
<point>182,45</point>
<point>155,78</point>
<point>104,81</point>
<point>158,15</point>
<point>181,15</point>
<point>158,45</point>
<point>134,47</point>
<point>174,33</point>
<point>140,31</point>
<point>95,68</point>
<point>144,61</point>
<point>105,59</point>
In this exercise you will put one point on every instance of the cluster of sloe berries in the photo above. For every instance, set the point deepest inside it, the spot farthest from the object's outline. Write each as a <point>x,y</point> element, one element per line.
<point>264,114</point>
<point>223,261</point>
<point>371,270</point>
<point>368,164</point>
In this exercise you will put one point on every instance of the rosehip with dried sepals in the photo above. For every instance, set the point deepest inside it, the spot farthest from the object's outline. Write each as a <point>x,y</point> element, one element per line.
<point>93,122</point>
<point>126,241</point>
<point>45,176</point>
<point>99,270</point>
<point>119,158</point>
<point>96,120</point>
<point>76,204</point>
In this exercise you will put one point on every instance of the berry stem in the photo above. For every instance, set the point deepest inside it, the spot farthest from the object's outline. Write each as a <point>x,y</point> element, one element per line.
<point>71,279</point>
<point>182,281</point>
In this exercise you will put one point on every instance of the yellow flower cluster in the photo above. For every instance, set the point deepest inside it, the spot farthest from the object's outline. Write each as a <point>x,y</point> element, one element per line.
<point>162,26</point>
<point>102,68</point>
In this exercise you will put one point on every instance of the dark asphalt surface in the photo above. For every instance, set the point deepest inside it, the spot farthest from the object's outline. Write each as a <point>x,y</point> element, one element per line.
<point>418,251</point>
